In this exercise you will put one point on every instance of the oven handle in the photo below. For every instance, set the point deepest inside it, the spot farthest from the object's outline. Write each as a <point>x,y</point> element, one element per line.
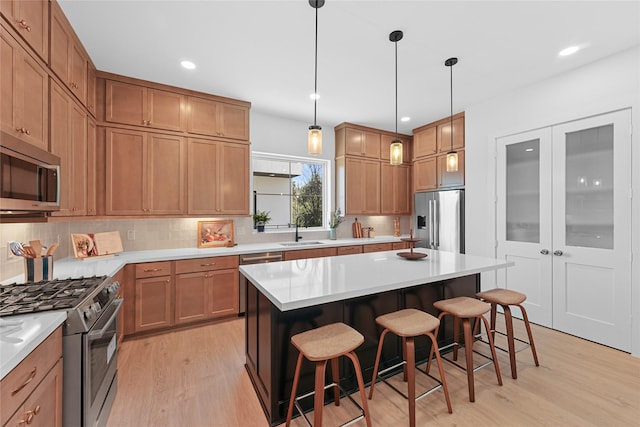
<point>96,335</point>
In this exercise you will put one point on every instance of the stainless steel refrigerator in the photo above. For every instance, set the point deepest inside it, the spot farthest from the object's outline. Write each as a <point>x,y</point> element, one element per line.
<point>439,220</point>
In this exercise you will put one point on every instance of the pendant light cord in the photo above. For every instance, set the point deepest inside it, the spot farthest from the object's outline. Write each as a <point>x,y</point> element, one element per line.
<point>396,43</point>
<point>451,98</point>
<point>315,84</point>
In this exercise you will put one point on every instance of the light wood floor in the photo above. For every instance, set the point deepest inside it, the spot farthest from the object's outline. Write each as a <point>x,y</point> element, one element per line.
<point>196,377</point>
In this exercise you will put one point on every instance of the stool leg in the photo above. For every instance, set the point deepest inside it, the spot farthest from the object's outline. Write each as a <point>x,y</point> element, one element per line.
<point>436,350</point>
<point>526,323</point>
<point>318,401</point>
<point>494,310</point>
<point>294,389</point>
<point>456,330</point>
<point>404,357</point>
<point>468,349</point>
<point>335,375</point>
<point>411,373</point>
<point>377,363</point>
<point>508,319</point>
<point>493,351</point>
<point>432,347</point>
<point>363,396</point>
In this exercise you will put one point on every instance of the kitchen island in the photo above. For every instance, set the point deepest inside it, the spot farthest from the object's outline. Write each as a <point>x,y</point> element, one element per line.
<point>289,297</point>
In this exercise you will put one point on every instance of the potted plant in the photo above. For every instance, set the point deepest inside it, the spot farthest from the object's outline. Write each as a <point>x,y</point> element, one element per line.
<point>260,218</point>
<point>334,222</point>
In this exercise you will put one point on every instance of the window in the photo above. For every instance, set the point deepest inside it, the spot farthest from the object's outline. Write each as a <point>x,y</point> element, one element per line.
<point>292,189</point>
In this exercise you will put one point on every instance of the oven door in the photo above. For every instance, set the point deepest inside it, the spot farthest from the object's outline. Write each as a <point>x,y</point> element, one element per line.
<point>100,366</point>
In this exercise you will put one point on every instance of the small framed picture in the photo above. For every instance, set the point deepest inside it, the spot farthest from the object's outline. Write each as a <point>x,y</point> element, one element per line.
<point>215,233</point>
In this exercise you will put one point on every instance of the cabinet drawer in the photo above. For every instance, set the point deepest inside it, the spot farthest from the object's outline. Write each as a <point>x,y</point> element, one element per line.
<point>23,379</point>
<point>399,245</point>
<point>153,269</point>
<point>206,264</point>
<point>348,250</point>
<point>378,247</point>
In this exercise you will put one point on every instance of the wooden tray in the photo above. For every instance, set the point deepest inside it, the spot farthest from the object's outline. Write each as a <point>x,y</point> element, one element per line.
<point>412,255</point>
<point>411,240</point>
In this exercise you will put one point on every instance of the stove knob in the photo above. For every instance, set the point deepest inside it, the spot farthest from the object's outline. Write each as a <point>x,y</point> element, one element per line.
<point>88,313</point>
<point>97,307</point>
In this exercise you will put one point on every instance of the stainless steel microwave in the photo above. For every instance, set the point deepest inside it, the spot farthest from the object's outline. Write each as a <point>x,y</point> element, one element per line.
<point>29,177</point>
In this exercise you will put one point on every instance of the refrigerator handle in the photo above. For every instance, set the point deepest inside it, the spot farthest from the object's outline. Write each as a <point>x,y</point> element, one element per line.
<point>436,220</point>
<point>430,242</point>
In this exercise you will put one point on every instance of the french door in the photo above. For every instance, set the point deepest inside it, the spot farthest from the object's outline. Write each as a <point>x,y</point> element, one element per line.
<point>564,218</point>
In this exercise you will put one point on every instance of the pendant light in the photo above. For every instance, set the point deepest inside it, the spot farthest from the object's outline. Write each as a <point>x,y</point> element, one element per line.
<point>395,149</point>
<point>315,131</point>
<point>452,155</point>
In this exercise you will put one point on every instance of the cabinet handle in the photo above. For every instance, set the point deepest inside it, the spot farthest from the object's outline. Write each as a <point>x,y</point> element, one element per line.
<point>32,375</point>
<point>24,25</point>
<point>152,270</point>
<point>207,265</point>
<point>36,410</point>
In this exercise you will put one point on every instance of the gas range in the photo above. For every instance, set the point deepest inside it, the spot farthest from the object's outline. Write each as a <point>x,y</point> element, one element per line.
<point>84,299</point>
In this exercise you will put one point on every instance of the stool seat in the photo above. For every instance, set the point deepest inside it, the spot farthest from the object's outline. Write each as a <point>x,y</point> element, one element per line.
<point>327,342</point>
<point>463,307</point>
<point>408,322</point>
<point>502,296</point>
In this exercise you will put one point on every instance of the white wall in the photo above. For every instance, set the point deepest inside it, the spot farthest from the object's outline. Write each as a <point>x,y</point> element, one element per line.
<point>603,86</point>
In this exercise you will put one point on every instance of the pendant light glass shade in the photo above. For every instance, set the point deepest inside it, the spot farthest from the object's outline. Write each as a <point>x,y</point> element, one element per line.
<point>315,140</point>
<point>395,149</point>
<point>452,155</point>
<point>395,153</point>
<point>314,143</point>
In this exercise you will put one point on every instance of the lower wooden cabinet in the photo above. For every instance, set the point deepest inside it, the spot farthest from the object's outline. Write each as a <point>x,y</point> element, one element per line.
<point>31,394</point>
<point>399,245</point>
<point>348,250</point>
<point>153,296</point>
<point>206,288</point>
<point>378,247</point>
<point>310,253</point>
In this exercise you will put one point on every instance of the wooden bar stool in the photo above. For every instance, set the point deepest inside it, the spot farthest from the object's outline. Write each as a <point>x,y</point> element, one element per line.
<point>507,298</point>
<point>320,345</point>
<point>465,309</point>
<point>408,324</point>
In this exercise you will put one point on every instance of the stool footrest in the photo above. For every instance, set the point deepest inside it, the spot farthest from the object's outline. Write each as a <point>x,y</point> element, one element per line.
<point>464,368</point>
<point>420,396</point>
<point>526,345</point>
<point>343,393</point>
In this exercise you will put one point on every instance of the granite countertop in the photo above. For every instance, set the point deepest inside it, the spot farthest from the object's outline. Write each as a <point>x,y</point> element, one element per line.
<point>297,284</point>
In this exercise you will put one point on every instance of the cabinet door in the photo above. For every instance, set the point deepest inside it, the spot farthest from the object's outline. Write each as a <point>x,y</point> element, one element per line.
<point>362,143</point>
<point>202,180</point>
<point>371,189</point>
<point>233,121</point>
<point>394,189</point>
<point>78,160</point>
<point>233,167</point>
<point>202,116</point>
<point>91,88</point>
<point>425,142</point>
<point>125,175</point>
<point>451,179</point>
<point>125,103</point>
<point>371,145</point>
<point>91,166</point>
<point>424,174</point>
<point>60,42</point>
<point>377,247</point>
<point>354,198</point>
<point>223,292</point>
<point>348,250</point>
<point>444,136</point>
<point>153,303</point>
<point>165,182</point>
<point>385,148</point>
<point>31,21</point>
<point>78,72</point>
<point>192,297</point>
<point>165,109</point>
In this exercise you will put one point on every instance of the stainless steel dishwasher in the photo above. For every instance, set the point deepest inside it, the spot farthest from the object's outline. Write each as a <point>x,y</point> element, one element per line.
<point>246,259</point>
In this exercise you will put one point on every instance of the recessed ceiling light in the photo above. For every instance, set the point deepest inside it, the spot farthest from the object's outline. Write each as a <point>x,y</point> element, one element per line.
<point>569,51</point>
<point>188,65</point>
<point>405,119</point>
<point>314,96</point>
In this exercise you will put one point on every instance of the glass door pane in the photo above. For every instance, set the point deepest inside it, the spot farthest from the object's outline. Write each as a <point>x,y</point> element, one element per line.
<point>589,188</point>
<point>523,191</point>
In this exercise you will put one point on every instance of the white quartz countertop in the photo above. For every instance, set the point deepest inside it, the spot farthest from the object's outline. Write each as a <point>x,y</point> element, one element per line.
<point>303,283</point>
<point>21,334</point>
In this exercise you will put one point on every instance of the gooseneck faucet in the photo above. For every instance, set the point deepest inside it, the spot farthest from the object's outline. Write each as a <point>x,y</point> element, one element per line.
<point>298,236</point>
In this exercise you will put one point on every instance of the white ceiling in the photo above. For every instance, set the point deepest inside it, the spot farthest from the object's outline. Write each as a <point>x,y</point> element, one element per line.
<point>263,51</point>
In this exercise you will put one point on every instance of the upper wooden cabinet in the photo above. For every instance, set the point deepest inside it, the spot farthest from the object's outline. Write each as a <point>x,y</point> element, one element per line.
<point>141,106</point>
<point>451,179</point>
<point>91,88</point>
<point>145,173</point>
<point>395,189</point>
<point>214,118</point>
<point>68,59</point>
<point>358,186</point>
<point>218,177</point>
<point>425,174</point>
<point>356,140</point>
<point>24,104</point>
<point>31,20</point>
<point>69,142</point>
<point>425,142</point>
<point>444,135</point>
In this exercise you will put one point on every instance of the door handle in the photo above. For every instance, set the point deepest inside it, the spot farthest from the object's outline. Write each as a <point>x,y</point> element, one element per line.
<point>557,252</point>
<point>545,252</point>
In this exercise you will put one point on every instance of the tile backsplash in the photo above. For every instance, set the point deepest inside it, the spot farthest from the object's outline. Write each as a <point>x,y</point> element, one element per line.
<point>159,233</point>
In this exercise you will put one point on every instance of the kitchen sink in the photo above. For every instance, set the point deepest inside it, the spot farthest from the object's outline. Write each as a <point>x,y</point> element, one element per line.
<point>301,243</point>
